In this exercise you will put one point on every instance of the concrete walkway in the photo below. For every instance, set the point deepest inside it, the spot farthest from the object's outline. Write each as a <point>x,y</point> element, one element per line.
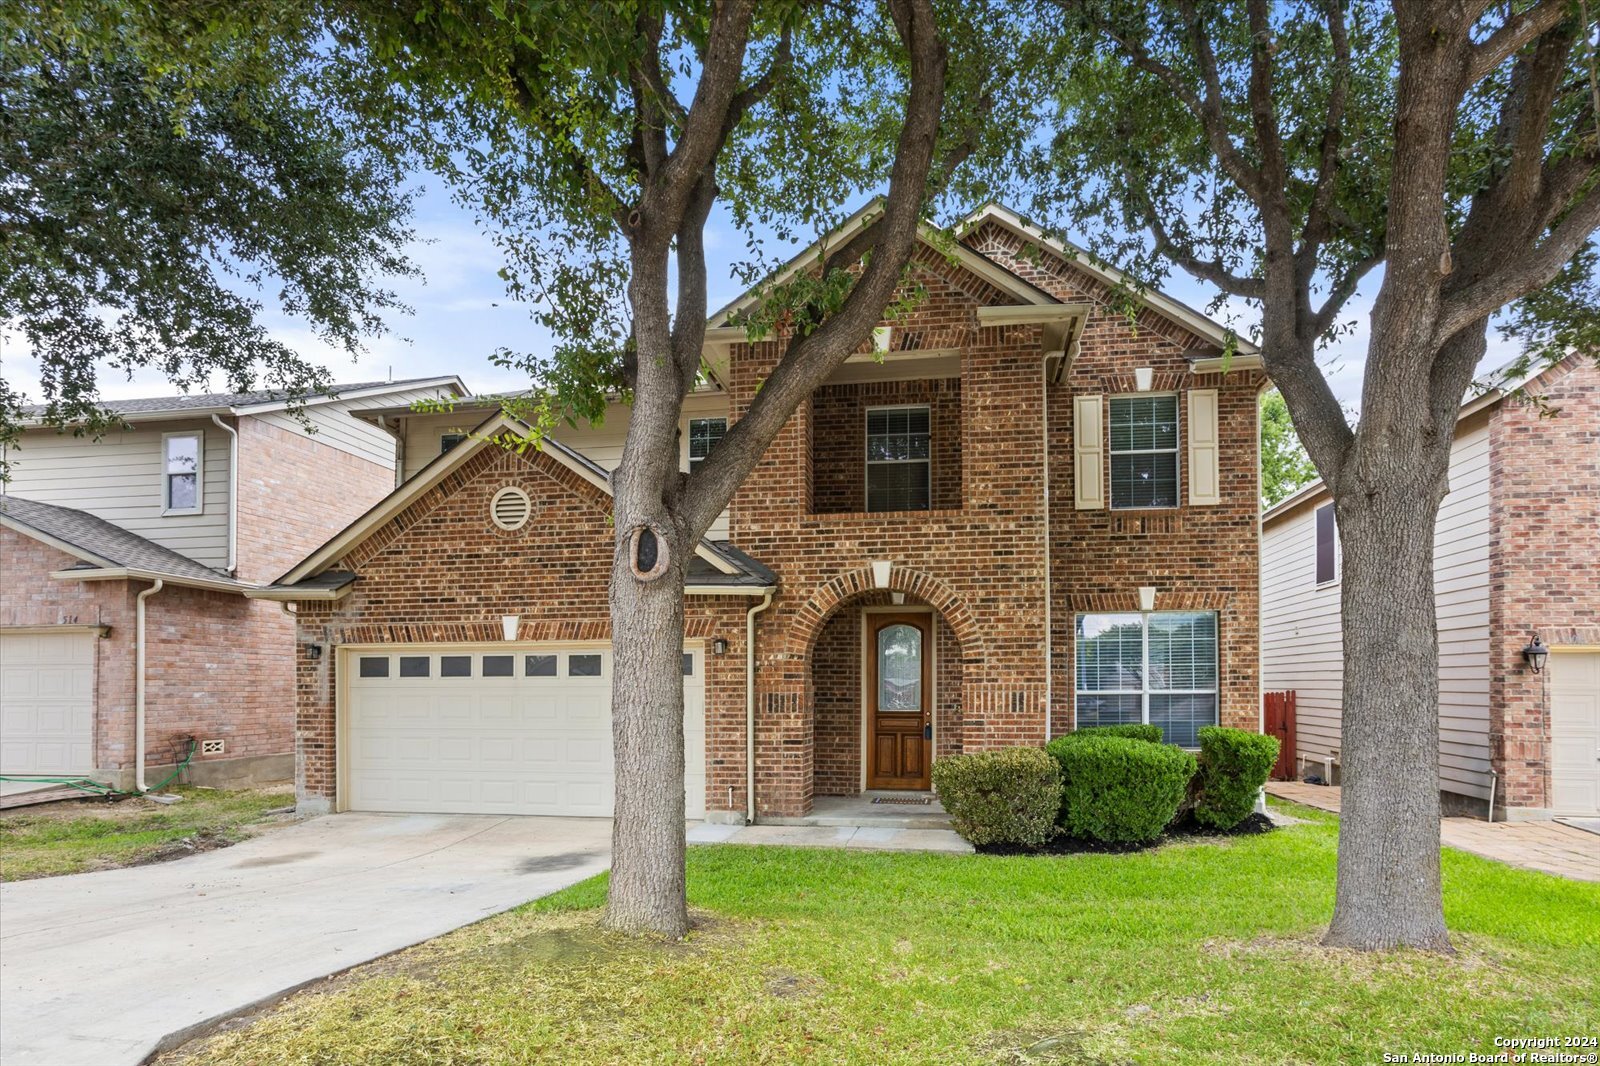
<point>97,969</point>
<point>1550,847</point>
<point>879,838</point>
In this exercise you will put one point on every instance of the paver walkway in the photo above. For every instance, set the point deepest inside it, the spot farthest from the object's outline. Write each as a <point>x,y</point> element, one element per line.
<point>828,836</point>
<point>1551,847</point>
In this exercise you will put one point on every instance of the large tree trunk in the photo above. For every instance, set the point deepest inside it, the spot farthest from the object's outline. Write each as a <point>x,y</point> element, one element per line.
<point>647,835</point>
<point>1388,880</point>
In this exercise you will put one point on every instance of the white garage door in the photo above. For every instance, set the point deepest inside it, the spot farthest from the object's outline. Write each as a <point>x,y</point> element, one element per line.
<point>478,729</point>
<point>46,703</point>
<point>1575,732</point>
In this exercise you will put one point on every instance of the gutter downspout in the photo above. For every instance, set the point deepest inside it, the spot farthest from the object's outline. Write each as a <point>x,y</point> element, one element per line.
<point>233,493</point>
<point>138,685</point>
<point>1049,591</point>
<point>750,707</point>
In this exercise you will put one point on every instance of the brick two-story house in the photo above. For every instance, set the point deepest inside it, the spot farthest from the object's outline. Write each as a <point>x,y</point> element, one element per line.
<point>1024,510</point>
<point>127,567</point>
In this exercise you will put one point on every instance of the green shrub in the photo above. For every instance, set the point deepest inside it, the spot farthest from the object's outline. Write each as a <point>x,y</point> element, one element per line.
<point>1120,790</point>
<point>1135,731</point>
<point>1234,764</point>
<point>1008,796</point>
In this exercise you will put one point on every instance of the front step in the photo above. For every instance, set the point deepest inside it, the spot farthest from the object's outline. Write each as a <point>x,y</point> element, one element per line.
<point>842,811</point>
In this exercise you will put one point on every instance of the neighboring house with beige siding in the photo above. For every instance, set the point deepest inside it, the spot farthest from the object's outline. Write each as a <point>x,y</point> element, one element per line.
<point>1516,554</point>
<point>184,512</point>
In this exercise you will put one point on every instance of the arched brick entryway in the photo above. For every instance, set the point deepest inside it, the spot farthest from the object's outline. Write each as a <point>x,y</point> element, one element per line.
<point>788,709</point>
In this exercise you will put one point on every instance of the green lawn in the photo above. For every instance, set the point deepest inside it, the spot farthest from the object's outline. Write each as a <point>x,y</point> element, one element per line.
<point>1204,951</point>
<point>78,835</point>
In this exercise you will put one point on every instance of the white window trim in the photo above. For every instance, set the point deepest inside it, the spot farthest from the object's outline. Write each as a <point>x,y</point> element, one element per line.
<point>1176,451</point>
<point>199,437</point>
<point>688,433</point>
<point>1145,693</point>
<point>1338,556</point>
<point>869,463</point>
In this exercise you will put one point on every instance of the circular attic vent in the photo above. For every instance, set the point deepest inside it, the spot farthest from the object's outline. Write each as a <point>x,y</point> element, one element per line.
<point>510,508</point>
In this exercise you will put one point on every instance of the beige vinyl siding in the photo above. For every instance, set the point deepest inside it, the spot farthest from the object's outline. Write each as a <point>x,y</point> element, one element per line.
<point>338,428</point>
<point>1301,646</point>
<point>602,443</point>
<point>119,478</point>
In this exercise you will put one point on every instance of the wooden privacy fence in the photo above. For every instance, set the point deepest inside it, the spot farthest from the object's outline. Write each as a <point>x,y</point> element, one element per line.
<point>1280,723</point>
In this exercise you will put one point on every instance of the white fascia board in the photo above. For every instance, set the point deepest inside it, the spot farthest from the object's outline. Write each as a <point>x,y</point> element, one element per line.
<point>129,573</point>
<point>356,394</point>
<point>1217,364</point>
<point>291,595</point>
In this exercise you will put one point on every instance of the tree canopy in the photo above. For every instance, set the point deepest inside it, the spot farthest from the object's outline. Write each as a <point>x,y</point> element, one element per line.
<point>163,184</point>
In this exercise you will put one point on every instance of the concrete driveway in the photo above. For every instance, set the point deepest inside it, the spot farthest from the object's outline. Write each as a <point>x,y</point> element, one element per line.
<point>99,968</point>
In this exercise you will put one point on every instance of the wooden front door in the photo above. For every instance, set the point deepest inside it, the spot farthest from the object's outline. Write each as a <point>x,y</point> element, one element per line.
<point>899,700</point>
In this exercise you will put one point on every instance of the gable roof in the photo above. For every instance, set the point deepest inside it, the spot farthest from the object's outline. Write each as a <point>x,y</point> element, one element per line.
<point>717,566</point>
<point>257,402</point>
<point>106,551</point>
<point>1023,291</point>
<point>1196,322</point>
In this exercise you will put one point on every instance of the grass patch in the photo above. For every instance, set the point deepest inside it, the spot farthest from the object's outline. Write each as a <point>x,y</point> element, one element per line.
<point>76,836</point>
<point>1195,952</point>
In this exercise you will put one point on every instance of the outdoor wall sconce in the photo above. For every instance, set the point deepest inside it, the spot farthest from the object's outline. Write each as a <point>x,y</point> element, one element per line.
<point>1535,654</point>
<point>313,651</point>
<point>719,647</point>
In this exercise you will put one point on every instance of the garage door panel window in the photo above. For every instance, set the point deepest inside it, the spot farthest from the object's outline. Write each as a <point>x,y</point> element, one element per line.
<point>455,666</point>
<point>688,664</point>
<point>415,666</point>
<point>539,666</point>
<point>583,666</point>
<point>374,666</point>
<point>499,666</point>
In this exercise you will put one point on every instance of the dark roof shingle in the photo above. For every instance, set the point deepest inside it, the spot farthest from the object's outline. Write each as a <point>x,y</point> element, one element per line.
<point>97,537</point>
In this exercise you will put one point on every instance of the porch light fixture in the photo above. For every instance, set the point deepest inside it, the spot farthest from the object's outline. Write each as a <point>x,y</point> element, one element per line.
<point>719,647</point>
<point>313,651</point>
<point>1535,654</point>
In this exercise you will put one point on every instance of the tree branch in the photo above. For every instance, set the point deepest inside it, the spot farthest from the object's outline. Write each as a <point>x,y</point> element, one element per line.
<point>1518,29</point>
<point>809,359</point>
<point>1318,222</point>
<point>1341,291</point>
<point>1521,275</point>
<point>1211,270</point>
<point>582,169</point>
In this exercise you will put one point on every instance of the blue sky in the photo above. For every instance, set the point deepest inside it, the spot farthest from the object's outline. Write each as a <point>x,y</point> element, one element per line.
<point>462,314</point>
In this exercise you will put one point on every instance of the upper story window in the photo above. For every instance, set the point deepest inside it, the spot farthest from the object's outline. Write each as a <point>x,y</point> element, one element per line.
<point>704,433</point>
<point>899,471</point>
<point>450,440</point>
<point>181,473</point>
<point>1327,546</point>
<point>1144,451</point>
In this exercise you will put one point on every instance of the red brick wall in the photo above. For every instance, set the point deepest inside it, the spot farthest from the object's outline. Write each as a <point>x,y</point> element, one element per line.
<point>214,661</point>
<point>1544,562</point>
<point>1198,558</point>
<point>442,571</point>
<point>839,440</point>
<point>295,493</point>
<point>837,696</point>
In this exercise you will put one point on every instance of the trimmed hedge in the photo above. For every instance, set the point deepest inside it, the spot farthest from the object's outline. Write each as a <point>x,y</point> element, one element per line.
<point>1120,790</point>
<point>1135,731</point>
<point>1009,796</point>
<point>1234,764</point>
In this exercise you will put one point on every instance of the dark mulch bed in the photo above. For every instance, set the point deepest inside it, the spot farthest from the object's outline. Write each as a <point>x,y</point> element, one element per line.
<point>1184,827</point>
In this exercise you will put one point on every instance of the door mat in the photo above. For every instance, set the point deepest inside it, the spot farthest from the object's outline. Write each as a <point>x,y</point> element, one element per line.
<point>903,801</point>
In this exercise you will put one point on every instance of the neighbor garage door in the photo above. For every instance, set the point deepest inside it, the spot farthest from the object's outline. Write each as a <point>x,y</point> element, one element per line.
<point>1575,732</point>
<point>477,729</point>
<point>46,702</point>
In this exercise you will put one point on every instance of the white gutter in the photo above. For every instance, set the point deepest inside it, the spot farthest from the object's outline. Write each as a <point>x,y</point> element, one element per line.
<point>750,707</point>
<point>233,493</point>
<point>138,685</point>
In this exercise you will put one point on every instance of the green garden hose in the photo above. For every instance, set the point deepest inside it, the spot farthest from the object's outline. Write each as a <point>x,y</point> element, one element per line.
<point>95,788</point>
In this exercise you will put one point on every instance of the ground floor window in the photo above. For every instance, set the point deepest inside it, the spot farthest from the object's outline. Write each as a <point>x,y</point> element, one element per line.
<point>1159,668</point>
